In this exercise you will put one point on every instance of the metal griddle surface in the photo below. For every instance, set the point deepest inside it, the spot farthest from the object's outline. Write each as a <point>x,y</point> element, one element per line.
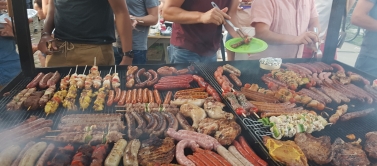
<point>251,73</point>
<point>11,118</point>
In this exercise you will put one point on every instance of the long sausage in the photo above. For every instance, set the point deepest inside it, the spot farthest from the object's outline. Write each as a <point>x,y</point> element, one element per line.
<point>235,79</point>
<point>32,154</point>
<point>247,148</point>
<point>211,158</point>
<point>157,97</point>
<point>337,67</point>
<point>203,158</point>
<point>179,151</point>
<point>110,99</point>
<point>54,79</point>
<point>43,81</point>
<point>168,86</point>
<point>130,154</point>
<point>227,155</point>
<point>145,95</point>
<point>183,122</point>
<point>155,78</point>
<point>113,159</point>
<point>358,114</point>
<point>46,154</point>
<point>21,154</point>
<point>195,160</point>
<point>218,157</point>
<point>139,95</point>
<point>168,97</point>
<point>118,92</point>
<point>134,96</point>
<point>240,156</point>
<point>122,98</point>
<point>8,155</point>
<point>150,96</point>
<point>35,81</point>
<point>128,96</point>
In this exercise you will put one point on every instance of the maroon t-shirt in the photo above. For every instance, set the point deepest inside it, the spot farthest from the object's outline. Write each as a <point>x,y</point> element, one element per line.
<point>203,39</point>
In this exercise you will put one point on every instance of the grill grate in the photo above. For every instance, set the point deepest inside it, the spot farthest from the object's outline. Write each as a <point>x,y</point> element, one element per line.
<point>251,73</point>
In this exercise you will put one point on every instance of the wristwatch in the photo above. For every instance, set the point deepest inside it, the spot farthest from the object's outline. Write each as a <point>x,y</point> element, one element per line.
<point>129,54</point>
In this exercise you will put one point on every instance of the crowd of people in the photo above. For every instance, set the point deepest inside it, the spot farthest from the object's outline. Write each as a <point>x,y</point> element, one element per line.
<point>116,32</point>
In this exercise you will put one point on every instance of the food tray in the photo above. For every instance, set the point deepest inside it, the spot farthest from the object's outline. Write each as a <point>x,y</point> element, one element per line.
<point>251,73</point>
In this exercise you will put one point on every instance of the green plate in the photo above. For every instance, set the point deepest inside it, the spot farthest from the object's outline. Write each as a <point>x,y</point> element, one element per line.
<point>255,46</point>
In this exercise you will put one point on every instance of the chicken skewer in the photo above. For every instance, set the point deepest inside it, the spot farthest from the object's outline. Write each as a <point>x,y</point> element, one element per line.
<point>53,104</point>
<point>85,98</point>
<point>81,79</point>
<point>106,80</point>
<point>94,69</point>
<point>97,81</point>
<point>115,81</point>
<point>100,100</point>
<point>72,80</point>
<point>65,81</point>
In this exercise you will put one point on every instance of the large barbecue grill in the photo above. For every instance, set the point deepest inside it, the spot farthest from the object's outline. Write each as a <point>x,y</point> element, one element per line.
<point>251,73</point>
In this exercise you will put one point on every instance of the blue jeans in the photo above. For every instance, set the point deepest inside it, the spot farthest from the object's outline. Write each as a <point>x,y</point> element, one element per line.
<point>10,65</point>
<point>181,55</point>
<point>140,56</point>
<point>367,64</point>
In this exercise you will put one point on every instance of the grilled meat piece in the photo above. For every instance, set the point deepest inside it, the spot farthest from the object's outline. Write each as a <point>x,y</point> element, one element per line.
<point>228,131</point>
<point>371,144</point>
<point>348,154</point>
<point>214,109</point>
<point>157,155</point>
<point>62,157</point>
<point>316,149</point>
<point>208,126</point>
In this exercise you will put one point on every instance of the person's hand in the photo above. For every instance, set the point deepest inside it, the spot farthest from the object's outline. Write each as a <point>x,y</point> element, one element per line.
<point>215,16</point>
<point>44,44</point>
<point>34,47</point>
<point>8,29</point>
<point>3,5</point>
<point>126,61</point>
<point>306,38</point>
<point>133,21</point>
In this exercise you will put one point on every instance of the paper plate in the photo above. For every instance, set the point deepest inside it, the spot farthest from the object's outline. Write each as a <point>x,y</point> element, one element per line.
<point>30,14</point>
<point>255,46</point>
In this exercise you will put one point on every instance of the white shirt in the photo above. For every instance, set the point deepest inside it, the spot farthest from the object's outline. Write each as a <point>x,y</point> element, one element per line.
<point>324,10</point>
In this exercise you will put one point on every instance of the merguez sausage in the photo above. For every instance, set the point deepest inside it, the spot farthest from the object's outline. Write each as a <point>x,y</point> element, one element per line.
<point>110,99</point>
<point>235,79</point>
<point>118,93</point>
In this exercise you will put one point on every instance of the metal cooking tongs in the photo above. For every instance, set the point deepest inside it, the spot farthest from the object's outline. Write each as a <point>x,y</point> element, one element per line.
<point>239,32</point>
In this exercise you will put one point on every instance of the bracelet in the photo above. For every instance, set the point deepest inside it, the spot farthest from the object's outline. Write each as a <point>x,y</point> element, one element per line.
<point>45,33</point>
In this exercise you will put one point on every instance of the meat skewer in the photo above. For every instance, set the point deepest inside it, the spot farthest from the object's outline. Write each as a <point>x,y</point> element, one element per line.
<point>81,79</point>
<point>65,81</point>
<point>74,76</point>
<point>100,100</point>
<point>107,80</point>
<point>52,105</point>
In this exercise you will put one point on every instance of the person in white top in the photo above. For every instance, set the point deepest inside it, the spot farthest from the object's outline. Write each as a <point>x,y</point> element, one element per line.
<point>324,11</point>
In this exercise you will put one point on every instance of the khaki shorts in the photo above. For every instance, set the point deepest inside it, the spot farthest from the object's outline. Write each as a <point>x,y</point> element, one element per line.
<point>72,54</point>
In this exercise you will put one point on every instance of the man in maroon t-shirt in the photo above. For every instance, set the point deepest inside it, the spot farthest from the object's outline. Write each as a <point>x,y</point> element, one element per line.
<point>197,28</point>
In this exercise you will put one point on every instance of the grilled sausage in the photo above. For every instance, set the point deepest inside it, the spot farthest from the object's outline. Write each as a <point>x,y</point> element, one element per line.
<point>118,93</point>
<point>140,95</point>
<point>32,154</point>
<point>46,154</point>
<point>54,79</point>
<point>155,78</point>
<point>19,157</point>
<point>35,81</point>
<point>168,97</point>
<point>358,114</point>
<point>228,156</point>
<point>128,96</point>
<point>183,122</point>
<point>134,96</point>
<point>145,95</point>
<point>152,122</point>
<point>122,97</point>
<point>239,156</point>
<point>172,121</point>
<point>157,97</point>
<point>235,79</point>
<point>161,125</point>
<point>110,99</point>
<point>113,159</point>
<point>150,96</point>
<point>43,81</point>
<point>130,154</point>
<point>8,155</point>
<point>141,124</point>
<point>179,151</point>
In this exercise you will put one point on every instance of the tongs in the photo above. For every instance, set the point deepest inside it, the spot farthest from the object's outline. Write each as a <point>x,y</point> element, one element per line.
<point>318,50</point>
<point>238,30</point>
